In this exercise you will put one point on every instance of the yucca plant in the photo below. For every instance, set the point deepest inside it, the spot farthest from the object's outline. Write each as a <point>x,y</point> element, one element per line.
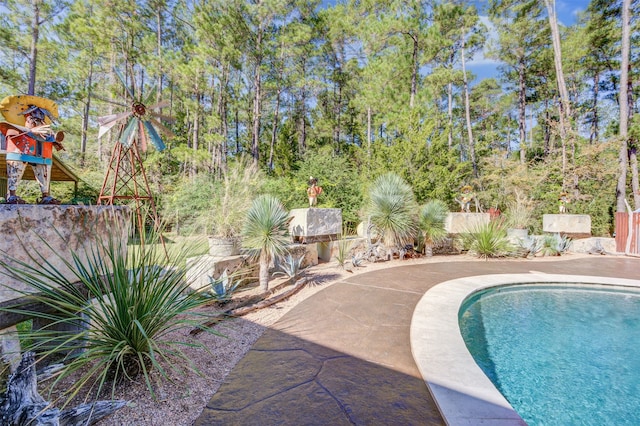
<point>392,210</point>
<point>489,240</point>
<point>118,318</point>
<point>264,235</point>
<point>432,224</point>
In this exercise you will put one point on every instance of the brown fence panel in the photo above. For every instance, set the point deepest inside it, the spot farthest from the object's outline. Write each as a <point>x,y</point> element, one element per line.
<point>622,232</point>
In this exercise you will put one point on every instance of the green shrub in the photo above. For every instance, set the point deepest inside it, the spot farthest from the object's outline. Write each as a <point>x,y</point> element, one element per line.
<point>135,303</point>
<point>555,244</point>
<point>392,209</point>
<point>487,241</point>
<point>432,224</point>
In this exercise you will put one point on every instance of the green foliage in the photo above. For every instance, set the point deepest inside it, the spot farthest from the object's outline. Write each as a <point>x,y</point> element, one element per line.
<point>519,214</point>
<point>431,222</point>
<point>136,303</point>
<point>392,209</point>
<point>487,241</point>
<point>555,244</point>
<point>265,231</point>
<point>344,247</point>
<point>214,206</point>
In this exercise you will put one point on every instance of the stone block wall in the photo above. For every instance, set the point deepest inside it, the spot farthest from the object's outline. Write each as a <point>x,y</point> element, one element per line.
<point>33,233</point>
<point>313,225</point>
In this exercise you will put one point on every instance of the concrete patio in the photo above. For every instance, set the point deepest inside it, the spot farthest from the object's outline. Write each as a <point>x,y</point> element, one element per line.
<point>343,356</point>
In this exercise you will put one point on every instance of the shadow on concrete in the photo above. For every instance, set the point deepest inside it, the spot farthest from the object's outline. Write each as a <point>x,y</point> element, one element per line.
<point>343,356</point>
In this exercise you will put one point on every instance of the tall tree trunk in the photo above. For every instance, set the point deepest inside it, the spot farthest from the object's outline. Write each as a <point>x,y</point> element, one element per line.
<point>467,111</point>
<point>274,128</point>
<point>414,71</point>
<point>564,107</point>
<point>522,110</point>
<point>85,117</point>
<point>369,136</point>
<point>33,54</point>
<point>593,136</point>
<point>621,188</point>
<point>302,123</point>
<point>257,84</point>
<point>159,54</point>
<point>450,114</point>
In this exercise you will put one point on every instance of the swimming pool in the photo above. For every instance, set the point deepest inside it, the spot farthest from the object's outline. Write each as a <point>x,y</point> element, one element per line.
<point>560,354</point>
<point>462,391</point>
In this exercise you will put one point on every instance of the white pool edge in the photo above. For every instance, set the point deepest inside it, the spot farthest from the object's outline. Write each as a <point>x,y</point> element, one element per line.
<point>463,393</point>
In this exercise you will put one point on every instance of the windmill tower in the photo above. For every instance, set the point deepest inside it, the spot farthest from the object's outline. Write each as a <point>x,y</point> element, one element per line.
<point>125,180</point>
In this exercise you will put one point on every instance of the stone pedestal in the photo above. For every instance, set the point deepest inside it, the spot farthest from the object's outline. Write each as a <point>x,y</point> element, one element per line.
<point>459,223</point>
<point>32,234</point>
<point>200,268</point>
<point>55,236</point>
<point>570,225</point>
<point>315,225</point>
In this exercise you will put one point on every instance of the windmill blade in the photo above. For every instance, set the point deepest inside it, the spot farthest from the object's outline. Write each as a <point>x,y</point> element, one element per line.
<point>106,119</point>
<point>147,99</point>
<point>164,130</point>
<point>111,101</point>
<point>124,83</point>
<point>153,135</point>
<point>142,136</point>
<point>161,104</point>
<point>104,129</point>
<point>166,118</point>
<point>127,135</point>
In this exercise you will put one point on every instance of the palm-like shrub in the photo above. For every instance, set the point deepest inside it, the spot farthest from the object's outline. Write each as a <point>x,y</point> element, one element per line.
<point>392,210</point>
<point>122,332</point>
<point>487,241</point>
<point>431,222</point>
<point>264,235</point>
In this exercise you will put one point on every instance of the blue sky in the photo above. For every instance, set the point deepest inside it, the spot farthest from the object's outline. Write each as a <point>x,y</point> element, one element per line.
<point>567,10</point>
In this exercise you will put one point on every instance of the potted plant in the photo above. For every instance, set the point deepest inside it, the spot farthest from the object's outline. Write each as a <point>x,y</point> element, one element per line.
<point>519,216</point>
<point>231,198</point>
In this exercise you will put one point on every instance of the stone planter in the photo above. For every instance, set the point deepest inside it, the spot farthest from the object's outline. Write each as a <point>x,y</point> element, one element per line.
<point>224,247</point>
<point>517,235</point>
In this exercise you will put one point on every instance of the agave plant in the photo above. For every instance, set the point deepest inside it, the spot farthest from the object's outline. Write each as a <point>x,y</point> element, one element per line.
<point>290,265</point>
<point>264,235</point>
<point>392,209</point>
<point>555,244</point>
<point>126,305</point>
<point>223,287</point>
<point>432,224</point>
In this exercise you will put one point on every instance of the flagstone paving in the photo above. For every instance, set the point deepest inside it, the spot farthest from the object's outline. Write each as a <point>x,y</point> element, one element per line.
<point>343,356</point>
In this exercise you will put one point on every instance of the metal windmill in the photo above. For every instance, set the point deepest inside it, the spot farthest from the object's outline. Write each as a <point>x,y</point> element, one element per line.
<point>125,179</point>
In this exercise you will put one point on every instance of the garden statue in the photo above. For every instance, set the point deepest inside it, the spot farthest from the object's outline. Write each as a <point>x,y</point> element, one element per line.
<point>466,197</point>
<point>29,140</point>
<point>313,191</point>
<point>563,200</point>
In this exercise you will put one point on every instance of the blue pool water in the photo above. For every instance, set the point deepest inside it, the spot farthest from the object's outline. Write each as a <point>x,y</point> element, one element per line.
<point>561,355</point>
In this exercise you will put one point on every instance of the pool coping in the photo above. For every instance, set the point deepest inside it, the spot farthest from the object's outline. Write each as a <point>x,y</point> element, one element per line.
<point>463,393</point>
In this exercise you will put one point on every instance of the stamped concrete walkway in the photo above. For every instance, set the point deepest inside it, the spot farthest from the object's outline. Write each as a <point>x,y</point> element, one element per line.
<point>343,357</point>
